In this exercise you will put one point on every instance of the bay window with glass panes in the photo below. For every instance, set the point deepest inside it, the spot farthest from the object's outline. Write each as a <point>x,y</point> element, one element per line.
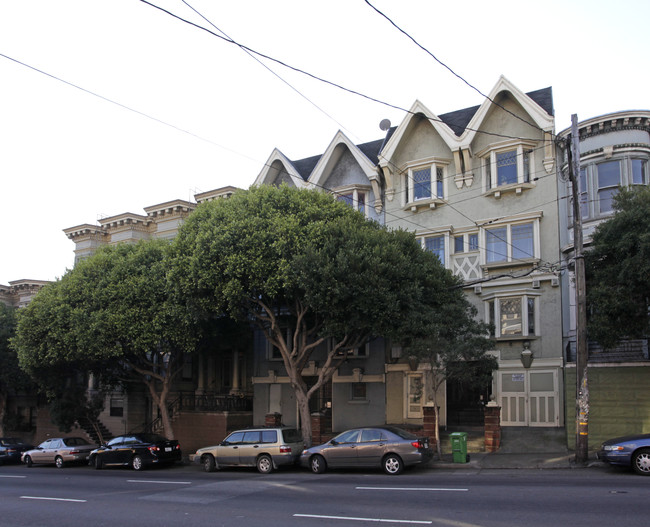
<point>512,316</point>
<point>599,183</point>
<point>436,245</point>
<point>354,198</point>
<point>508,166</point>
<point>425,182</point>
<point>511,243</point>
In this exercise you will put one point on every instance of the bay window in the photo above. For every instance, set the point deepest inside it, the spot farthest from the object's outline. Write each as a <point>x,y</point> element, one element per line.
<point>509,243</point>
<point>508,166</point>
<point>436,245</point>
<point>512,316</point>
<point>425,182</point>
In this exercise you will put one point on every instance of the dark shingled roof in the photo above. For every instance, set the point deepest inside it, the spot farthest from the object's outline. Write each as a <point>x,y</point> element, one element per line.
<point>457,121</point>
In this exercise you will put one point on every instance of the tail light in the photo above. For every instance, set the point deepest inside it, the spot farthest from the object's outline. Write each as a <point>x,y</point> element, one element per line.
<point>153,449</point>
<point>178,447</point>
<point>74,452</point>
<point>417,444</point>
<point>285,450</point>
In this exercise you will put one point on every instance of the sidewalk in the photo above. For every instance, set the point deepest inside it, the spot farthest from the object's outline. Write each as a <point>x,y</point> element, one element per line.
<point>496,460</point>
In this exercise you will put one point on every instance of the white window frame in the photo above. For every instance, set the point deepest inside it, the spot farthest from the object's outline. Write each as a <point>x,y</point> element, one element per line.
<point>509,259</point>
<point>356,191</point>
<point>422,238</point>
<point>433,164</point>
<point>525,326</point>
<point>490,170</point>
<point>467,246</point>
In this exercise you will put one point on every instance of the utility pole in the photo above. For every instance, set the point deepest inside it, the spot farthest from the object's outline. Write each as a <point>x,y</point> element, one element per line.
<point>582,386</point>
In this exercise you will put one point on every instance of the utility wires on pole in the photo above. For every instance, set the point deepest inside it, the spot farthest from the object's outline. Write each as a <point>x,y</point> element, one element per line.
<point>582,386</point>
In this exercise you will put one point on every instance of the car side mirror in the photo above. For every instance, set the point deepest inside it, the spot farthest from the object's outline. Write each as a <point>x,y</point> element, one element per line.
<point>332,442</point>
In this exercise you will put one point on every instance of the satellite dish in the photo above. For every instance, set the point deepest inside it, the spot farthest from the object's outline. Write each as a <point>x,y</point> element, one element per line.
<point>384,125</point>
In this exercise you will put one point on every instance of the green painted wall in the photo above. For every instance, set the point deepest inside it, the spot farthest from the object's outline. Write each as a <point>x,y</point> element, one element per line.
<point>619,403</point>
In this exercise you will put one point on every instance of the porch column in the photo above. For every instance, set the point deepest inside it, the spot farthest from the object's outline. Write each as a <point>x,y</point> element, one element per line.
<point>492,414</point>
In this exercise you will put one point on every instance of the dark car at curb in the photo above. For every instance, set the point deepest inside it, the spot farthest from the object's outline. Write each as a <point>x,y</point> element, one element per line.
<point>266,448</point>
<point>629,451</point>
<point>388,447</point>
<point>136,451</point>
<point>11,448</point>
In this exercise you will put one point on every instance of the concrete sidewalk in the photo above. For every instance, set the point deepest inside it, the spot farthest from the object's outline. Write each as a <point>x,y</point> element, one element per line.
<point>521,447</point>
<point>496,460</point>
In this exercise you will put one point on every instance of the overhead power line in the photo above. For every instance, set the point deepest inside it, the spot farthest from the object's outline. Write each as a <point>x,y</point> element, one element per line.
<point>448,68</point>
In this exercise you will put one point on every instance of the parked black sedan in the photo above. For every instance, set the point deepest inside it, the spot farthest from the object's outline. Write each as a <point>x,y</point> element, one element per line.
<point>11,448</point>
<point>136,451</point>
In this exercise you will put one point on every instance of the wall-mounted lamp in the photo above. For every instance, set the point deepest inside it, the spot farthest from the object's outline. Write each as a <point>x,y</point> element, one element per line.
<point>526,355</point>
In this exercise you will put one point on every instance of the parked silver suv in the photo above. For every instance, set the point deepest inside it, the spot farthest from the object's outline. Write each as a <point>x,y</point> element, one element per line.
<point>264,448</point>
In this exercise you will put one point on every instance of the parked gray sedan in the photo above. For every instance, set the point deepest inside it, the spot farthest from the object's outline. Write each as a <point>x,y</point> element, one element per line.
<point>388,447</point>
<point>58,451</point>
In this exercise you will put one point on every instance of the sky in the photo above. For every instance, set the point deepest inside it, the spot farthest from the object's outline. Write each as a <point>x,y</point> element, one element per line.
<point>112,106</point>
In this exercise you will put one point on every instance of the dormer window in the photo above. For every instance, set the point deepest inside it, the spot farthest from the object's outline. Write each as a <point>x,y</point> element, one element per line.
<point>425,184</point>
<point>508,168</point>
<point>353,196</point>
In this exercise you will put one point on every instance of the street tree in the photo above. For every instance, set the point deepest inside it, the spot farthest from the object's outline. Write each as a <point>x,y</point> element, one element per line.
<point>112,316</point>
<point>618,271</point>
<point>12,379</point>
<point>311,274</point>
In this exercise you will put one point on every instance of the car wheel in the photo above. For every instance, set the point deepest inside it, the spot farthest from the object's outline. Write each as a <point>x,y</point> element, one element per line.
<point>58,462</point>
<point>265,464</point>
<point>209,464</point>
<point>392,464</point>
<point>137,463</point>
<point>317,464</point>
<point>28,461</point>
<point>97,462</point>
<point>641,462</point>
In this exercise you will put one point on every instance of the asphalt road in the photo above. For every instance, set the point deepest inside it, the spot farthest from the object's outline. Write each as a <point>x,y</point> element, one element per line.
<point>186,496</point>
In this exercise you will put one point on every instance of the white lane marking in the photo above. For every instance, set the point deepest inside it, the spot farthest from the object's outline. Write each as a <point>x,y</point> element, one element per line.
<point>13,476</point>
<point>351,518</point>
<point>159,481</point>
<point>412,488</point>
<point>51,499</point>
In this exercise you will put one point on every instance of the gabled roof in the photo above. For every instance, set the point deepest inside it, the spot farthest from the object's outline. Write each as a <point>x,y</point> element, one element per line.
<point>366,158</point>
<point>458,128</point>
<point>267,174</point>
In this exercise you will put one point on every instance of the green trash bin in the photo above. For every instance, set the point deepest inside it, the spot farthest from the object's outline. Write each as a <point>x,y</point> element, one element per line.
<point>459,447</point>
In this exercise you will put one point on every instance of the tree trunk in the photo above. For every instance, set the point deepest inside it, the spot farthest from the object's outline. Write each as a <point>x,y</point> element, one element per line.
<point>161,402</point>
<point>436,430</point>
<point>305,415</point>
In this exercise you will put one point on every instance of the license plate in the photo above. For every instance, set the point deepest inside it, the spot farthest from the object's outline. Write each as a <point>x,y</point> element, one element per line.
<point>168,449</point>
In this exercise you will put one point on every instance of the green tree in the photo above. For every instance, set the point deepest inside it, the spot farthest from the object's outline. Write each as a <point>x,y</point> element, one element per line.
<point>618,271</point>
<point>114,316</point>
<point>12,378</point>
<point>308,270</point>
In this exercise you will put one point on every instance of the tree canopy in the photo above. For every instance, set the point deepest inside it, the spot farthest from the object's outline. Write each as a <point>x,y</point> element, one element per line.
<point>308,270</point>
<point>113,315</point>
<point>618,271</point>
<point>12,379</point>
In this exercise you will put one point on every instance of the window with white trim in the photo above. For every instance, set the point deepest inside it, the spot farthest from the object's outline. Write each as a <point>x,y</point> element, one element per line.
<point>508,166</point>
<point>465,243</point>
<point>509,243</point>
<point>600,180</point>
<point>355,199</point>
<point>512,316</point>
<point>425,182</point>
<point>436,245</point>
<point>360,352</point>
